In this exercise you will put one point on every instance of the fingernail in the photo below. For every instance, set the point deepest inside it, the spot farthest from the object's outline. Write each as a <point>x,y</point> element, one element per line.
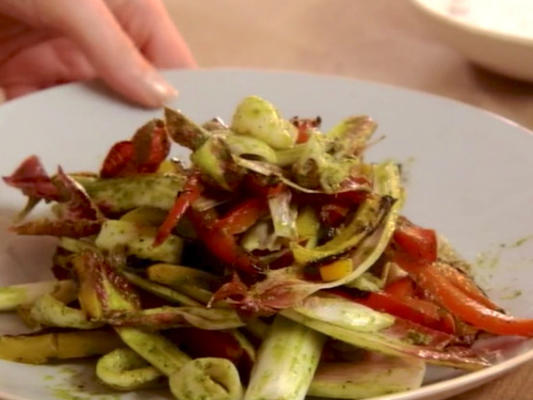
<point>160,89</point>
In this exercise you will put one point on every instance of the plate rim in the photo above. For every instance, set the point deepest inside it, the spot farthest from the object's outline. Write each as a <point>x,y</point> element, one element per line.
<point>96,85</point>
<point>422,5</point>
<point>489,374</point>
<point>471,379</point>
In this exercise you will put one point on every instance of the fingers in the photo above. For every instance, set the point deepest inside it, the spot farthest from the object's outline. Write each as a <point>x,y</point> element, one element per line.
<point>149,25</point>
<point>15,37</point>
<point>91,25</point>
<point>48,63</point>
<point>11,92</point>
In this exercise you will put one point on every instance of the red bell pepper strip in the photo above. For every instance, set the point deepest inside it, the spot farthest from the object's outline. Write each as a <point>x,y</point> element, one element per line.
<point>242,217</point>
<point>401,288</point>
<point>118,161</point>
<point>419,311</point>
<point>449,324</point>
<point>460,304</point>
<point>399,299</point>
<point>142,154</point>
<point>262,186</point>
<point>421,246</point>
<point>404,290</point>
<point>303,135</point>
<point>351,197</point>
<point>223,244</point>
<point>333,215</point>
<point>344,199</point>
<point>419,243</point>
<point>304,125</point>
<point>384,302</point>
<point>274,190</point>
<point>190,193</point>
<point>152,145</point>
<point>464,283</point>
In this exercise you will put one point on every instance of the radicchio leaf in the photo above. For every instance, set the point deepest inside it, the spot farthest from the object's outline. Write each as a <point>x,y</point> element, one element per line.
<point>171,317</point>
<point>103,291</point>
<point>70,228</point>
<point>78,204</point>
<point>31,178</point>
<point>79,215</point>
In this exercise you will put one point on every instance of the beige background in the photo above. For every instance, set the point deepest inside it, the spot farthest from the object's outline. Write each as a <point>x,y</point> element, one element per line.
<point>379,40</point>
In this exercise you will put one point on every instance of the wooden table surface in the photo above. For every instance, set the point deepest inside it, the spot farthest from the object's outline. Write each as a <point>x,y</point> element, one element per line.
<point>377,40</point>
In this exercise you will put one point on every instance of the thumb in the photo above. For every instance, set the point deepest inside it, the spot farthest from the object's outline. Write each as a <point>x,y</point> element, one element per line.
<point>92,26</point>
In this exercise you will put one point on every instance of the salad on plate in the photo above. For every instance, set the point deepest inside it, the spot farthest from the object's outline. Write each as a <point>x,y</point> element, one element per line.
<point>275,265</point>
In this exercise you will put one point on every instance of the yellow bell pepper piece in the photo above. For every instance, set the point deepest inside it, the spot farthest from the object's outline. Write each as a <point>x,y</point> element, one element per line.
<point>43,348</point>
<point>336,270</point>
<point>168,167</point>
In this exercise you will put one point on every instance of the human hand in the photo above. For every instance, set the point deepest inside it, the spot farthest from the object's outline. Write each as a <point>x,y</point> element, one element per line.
<point>48,42</point>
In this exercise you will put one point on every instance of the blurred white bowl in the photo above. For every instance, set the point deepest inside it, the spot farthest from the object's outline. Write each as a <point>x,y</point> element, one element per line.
<point>497,34</point>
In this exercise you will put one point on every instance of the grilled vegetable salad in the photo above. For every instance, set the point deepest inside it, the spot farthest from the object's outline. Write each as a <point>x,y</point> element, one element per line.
<point>276,266</point>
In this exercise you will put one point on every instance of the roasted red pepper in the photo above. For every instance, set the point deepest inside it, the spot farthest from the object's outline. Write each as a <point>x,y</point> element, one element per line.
<point>418,311</point>
<point>303,135</point>
<point>151,145</point>
<point>332,215</point>
<point>399,299</point>
<point>417,242</point>
<point>142,154</point>
<point>344,199</point>
<point>304,126</point>
<point>456,293</point>
<point>261,186</point>
<point>460,304</point>
<point>420,245</point>
<point>223,245</point>
<point>118,161</point>
<point>401,288</point>
<point>464,283</point>
<point>242,217</point>
<point>190,193</point>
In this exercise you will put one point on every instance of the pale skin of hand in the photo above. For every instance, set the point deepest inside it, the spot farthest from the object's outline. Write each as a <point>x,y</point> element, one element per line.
<point>47,42</point>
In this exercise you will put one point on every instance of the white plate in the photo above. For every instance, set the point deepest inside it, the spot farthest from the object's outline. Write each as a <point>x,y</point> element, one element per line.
<point>470,177</point>
<point>497,34</point>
